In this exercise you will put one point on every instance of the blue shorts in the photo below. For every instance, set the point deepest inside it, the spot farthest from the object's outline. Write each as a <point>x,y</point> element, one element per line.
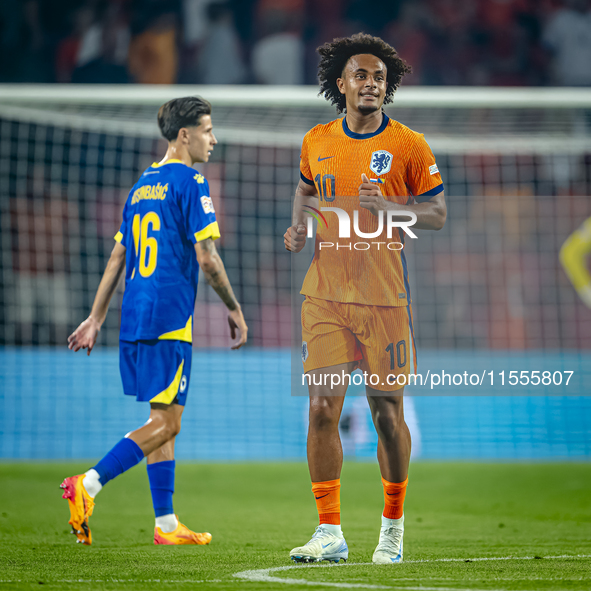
<point>156,371</point>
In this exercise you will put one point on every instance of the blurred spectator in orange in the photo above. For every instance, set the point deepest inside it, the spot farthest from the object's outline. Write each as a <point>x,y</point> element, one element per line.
<point>153,54</point>
<point>567,36</point>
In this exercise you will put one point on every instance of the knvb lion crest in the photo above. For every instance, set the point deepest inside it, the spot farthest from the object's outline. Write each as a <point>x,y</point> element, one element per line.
<point>381,162</point>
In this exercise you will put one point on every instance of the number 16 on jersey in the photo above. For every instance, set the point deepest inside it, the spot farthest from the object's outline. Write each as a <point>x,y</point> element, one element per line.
<point>146,247</point>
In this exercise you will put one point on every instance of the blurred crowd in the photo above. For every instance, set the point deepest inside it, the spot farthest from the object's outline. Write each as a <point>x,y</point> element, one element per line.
<point>447,42</point>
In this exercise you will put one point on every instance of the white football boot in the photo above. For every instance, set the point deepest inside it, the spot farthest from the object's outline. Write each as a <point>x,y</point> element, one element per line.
<point>324,545</point>
<point>389,548</point>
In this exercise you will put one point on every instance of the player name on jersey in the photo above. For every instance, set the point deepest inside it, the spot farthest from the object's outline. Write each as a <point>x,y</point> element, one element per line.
<point>149,192</point>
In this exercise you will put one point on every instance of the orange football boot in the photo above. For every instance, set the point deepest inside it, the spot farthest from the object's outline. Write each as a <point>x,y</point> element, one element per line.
<point>181,535</point>
<point>81,506</point>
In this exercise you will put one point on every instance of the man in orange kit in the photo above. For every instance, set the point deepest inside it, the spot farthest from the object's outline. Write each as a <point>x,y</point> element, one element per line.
<point>357,311</point>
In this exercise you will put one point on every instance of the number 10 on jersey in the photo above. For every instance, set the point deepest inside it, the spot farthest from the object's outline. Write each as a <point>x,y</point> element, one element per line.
<point>146,247</point>
<point>326,186</point>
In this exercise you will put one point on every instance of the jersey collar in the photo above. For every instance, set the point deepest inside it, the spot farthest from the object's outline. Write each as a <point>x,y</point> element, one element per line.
<point>365,136</point>
<point>171,161</point>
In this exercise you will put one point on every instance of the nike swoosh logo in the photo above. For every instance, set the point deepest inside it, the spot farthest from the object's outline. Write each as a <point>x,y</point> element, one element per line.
<point>322,496</point>
<point>325,545</point>
<point>153,172</point>
<point>325,158</point>
<point>390,494</point>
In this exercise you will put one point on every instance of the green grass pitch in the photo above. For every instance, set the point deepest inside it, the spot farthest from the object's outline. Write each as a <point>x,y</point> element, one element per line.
<point>258,512</point>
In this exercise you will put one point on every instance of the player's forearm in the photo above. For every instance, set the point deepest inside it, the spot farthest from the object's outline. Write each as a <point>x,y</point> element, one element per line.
<point>215,273</point>
<point>300,215</point>
<point>216,276</point>
<point>431,215</point>
<point>107,286</point>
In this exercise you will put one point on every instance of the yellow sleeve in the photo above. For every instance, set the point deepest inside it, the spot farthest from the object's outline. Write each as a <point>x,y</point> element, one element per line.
<point>210,231</point>
<point>573,256</point>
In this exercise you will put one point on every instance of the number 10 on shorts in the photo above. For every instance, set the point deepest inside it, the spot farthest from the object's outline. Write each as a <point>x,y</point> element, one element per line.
<point>400,354</point>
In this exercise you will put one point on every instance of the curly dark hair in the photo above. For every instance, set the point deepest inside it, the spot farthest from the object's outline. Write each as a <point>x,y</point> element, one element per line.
<point>335,55</point>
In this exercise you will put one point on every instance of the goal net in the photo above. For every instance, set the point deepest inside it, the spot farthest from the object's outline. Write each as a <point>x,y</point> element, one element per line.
<point>516,168</point>
<point>517,171</point>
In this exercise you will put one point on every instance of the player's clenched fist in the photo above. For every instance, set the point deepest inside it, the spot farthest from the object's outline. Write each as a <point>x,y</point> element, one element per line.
<point>84,337</point>
<point>295,238</point>
<point>370,196</point>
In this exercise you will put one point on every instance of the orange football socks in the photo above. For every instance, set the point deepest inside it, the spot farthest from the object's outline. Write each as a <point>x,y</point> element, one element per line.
<point>394,493</point>
<point>328,501</point>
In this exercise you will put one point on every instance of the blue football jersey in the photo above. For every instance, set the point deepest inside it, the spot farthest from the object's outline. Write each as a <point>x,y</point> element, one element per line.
<point>167,212</point>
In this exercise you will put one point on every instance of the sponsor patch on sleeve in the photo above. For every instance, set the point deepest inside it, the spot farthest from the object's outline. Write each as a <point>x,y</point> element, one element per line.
<point>207,204</point>
<point>433,169</point>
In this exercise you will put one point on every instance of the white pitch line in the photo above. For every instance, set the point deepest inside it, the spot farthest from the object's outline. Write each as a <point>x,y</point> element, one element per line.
<point>263,575</point>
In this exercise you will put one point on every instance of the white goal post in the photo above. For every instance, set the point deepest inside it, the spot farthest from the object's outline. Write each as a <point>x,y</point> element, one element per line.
<point>482,120</point>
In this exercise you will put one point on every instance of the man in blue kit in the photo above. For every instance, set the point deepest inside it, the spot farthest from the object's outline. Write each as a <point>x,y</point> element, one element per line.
<point>168,232</point>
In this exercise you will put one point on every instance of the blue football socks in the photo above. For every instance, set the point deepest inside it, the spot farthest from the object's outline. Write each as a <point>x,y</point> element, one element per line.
<point>161,475</point>
<point>125,455</point>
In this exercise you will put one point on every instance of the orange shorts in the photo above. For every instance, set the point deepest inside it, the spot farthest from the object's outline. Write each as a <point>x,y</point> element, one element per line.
<point>379,338</point>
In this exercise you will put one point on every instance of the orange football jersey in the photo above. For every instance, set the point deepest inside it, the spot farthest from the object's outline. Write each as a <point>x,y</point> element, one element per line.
<point>364,270</point>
